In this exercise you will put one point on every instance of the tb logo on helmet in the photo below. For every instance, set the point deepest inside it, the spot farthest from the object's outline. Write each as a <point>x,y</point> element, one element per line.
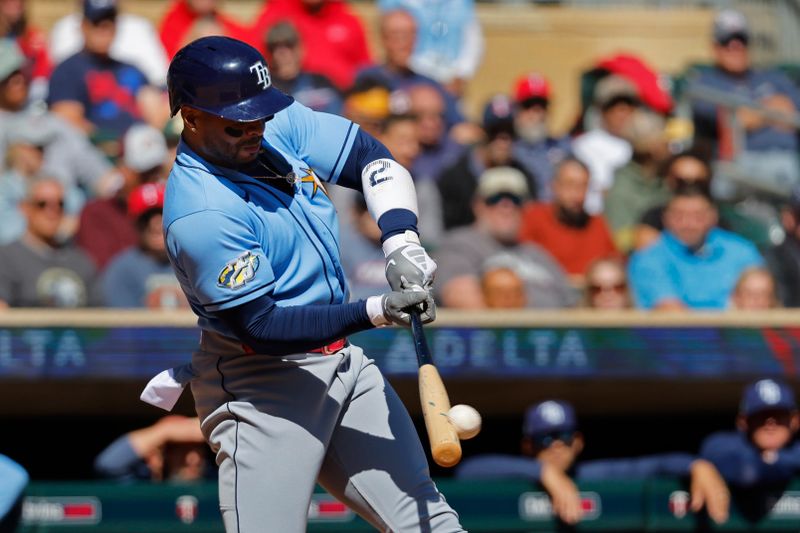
<point>263,74</point>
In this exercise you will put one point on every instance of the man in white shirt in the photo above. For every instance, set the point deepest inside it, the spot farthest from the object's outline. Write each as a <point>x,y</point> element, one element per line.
<point>604,148</point>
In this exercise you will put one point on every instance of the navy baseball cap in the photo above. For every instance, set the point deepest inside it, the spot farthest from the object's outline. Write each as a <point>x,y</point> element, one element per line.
<point>497,116</point>
<point>767,394</point>
<point>97,10</point>
<point>730,24</point>
<point>549,417</point>
<point>224,77</point>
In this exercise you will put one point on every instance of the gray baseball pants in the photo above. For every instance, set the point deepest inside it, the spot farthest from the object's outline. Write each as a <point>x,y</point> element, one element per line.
<point>280,424</point>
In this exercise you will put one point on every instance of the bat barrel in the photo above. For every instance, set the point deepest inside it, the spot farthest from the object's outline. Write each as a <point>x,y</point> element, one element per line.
<point>443,437</point>
<point>446,454</point>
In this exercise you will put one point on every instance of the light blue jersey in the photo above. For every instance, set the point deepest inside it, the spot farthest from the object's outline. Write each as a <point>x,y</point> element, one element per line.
<point>231,238</point>
<point>13,480</point>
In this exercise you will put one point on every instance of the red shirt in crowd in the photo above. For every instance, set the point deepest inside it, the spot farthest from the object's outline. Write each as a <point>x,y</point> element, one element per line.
<point>574,248</point>
<point>333,37</point>
<point>178,21</point>
<point>33,44</point>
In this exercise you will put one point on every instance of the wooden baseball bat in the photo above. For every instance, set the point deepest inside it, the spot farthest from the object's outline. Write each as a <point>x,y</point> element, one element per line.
<point>443,438</point>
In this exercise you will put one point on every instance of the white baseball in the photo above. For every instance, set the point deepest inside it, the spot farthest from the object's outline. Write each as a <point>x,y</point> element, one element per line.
<point>466,419</point>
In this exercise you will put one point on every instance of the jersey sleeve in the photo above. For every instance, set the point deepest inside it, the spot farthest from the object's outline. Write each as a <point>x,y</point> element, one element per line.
<point>494,466</point>
<point>219,259</point>
<point>321,139</point>
<point>741,464</point>
<point>669,464</point>
<point>120,461</point>
<point>14,480</point>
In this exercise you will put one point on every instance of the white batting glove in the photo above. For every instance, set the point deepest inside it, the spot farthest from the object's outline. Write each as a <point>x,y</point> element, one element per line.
<point>393,307</point>
<point>408,265</point>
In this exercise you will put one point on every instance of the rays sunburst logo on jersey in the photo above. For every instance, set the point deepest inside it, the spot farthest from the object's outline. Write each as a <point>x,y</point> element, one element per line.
<point>310,177</point>
<point>238,272</point>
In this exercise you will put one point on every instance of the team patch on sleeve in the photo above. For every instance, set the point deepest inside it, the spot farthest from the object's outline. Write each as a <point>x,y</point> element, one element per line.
<point>238,272</point>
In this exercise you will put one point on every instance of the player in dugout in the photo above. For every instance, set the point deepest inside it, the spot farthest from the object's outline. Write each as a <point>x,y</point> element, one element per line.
<point>762,456</point>
<point>551,444</point>
<point>284,399</point>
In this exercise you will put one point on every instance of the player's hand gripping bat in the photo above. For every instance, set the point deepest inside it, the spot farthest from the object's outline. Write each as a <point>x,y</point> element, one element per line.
<point>445,446</point>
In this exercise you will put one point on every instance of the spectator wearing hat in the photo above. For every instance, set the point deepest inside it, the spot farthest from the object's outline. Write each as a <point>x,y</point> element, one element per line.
<point>694,264</point>
<point>606,148</point>
<point>25,159</point>
<point>367,103</point>
<point>493,241</point>
<point>182,15</point>
<point>398,36</point>
<point>142,276</point>
<point>68,154</point>
<point>285,55</point>
<point>551,445</point>
<point>334,36</point>
<point>105,229</point>
<point>563,227</point>
<point>769,154</point>
<point>15,24</point>
<point>458,182</point>
<point>761,452</point>
<point>637,186</point>
<point>38,269</point>
<point>135,42</point>
<point>535,147</point>
<point>449,43</point>
<point>98,94</point>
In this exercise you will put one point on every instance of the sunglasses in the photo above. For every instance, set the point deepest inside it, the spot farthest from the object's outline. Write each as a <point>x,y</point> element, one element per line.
<point>499,197</point>
<point>685,177</point>
<point>530,103</point>
<point>620,99</point>
<point>727,41</point>
<point>546,440</point>
<point>43,204</point>
<point>281,44</point>
<point>596,288</point>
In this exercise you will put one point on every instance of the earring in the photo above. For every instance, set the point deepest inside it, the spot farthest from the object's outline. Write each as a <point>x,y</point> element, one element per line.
<point>194,129</point>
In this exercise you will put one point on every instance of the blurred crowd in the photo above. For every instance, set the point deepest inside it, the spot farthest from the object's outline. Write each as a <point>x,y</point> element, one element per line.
<point>684,195</point>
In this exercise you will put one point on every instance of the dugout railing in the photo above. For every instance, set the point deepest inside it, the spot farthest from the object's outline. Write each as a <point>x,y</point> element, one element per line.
<point>484,507</point>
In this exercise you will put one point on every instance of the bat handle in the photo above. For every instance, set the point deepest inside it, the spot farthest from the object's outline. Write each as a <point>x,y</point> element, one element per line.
<point>420,342</point>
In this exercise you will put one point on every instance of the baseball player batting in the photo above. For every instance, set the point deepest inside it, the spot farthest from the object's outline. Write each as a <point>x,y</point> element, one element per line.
<point>284,399</point>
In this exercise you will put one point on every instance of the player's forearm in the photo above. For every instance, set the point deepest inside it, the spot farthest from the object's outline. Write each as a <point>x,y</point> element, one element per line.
<point>387,186</point>
<point>273,330</point>
<point>391,197</point>
<point>118,459</point>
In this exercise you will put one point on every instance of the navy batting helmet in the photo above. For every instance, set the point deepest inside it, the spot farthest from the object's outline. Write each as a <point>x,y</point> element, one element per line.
<point>224,77</point>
